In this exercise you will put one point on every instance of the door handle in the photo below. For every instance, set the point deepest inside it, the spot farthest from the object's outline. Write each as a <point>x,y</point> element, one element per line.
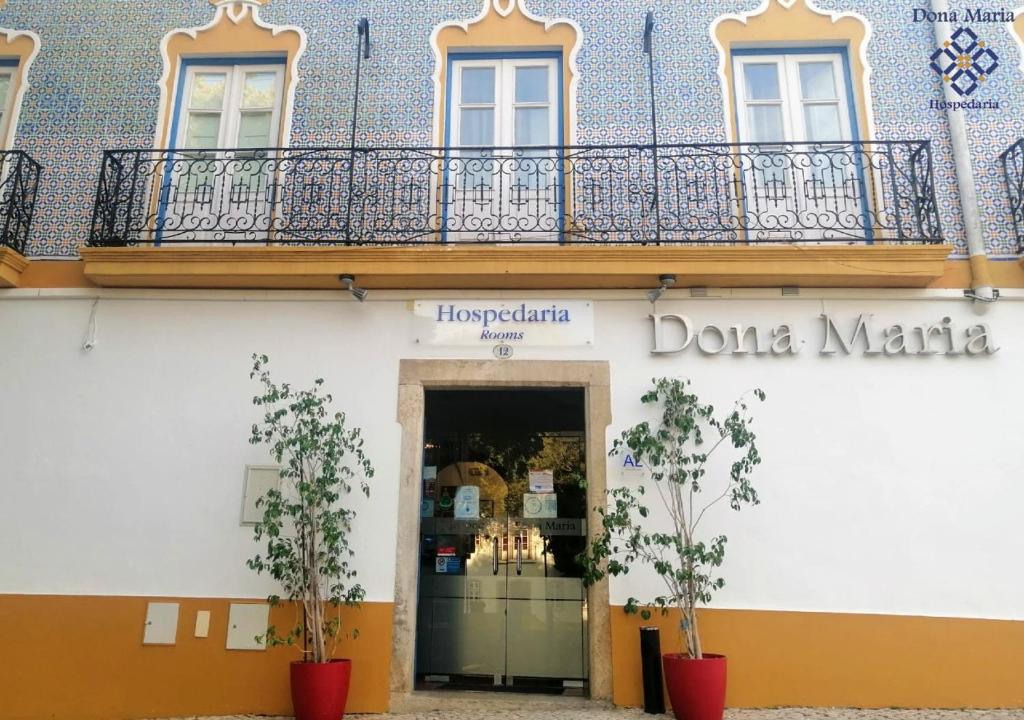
<point>494,557</point>
<point>519,555</point>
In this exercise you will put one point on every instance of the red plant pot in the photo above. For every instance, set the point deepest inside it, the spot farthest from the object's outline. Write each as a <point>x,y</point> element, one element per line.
<point>320,690</point>
<point>696,688</point>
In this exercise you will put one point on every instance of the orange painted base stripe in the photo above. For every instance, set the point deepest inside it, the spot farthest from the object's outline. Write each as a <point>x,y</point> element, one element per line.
<point>82,658</point>
<point>842,660</point>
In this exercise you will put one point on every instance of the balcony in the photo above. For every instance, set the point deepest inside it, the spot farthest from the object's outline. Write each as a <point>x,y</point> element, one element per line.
<point>19,181</point>
<point>545,206</point>
<point>1013,170</point>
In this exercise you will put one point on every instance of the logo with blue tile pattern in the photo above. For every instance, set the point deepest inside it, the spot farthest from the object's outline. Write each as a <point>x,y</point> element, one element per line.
<point>964,61</point>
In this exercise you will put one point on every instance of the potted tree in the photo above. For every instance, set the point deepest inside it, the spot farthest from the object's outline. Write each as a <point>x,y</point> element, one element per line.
<point>676,452</point>
<point>305,526</point>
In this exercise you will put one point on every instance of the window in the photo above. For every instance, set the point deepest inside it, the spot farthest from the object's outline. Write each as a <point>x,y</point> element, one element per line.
<point>499,109</point>
<point>792,97</point>
<point>6,80</point>
<point>505,102</point>
<point>235,106</point>
<point>8,84</point>
<point>803,176</point>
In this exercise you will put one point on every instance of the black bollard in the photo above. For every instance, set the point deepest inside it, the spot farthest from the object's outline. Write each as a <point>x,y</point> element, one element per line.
<point>650,661</point>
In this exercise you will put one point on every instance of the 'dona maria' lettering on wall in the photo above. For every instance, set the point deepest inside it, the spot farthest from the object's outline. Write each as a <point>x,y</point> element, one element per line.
<point>674,333</point>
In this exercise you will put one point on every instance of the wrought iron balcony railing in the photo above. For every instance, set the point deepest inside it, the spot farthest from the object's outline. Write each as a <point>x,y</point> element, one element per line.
<point>842,192</point>
<point>19,182</point>
<point>1013,170</point>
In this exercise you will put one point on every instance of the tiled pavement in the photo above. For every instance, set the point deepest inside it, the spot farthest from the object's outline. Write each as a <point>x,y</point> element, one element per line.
<point>615,714</point>
<point>489,706</point>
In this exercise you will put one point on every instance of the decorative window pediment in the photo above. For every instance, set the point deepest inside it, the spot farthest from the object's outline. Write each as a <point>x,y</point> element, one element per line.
<point>506,24</point>
<point>1016,29</point>
<point>786,24</point>
<point>235,30</point>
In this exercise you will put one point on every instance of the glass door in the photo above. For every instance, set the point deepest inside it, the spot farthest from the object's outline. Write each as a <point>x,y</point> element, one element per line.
<point>546,635</point>
<point>463,598</point>
<point>501,598</point>
<point>219,183</point>
<point>803,179</point>
<point>504,118</point>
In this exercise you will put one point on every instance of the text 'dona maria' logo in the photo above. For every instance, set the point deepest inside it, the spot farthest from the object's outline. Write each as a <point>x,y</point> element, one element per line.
<point>964,61</point>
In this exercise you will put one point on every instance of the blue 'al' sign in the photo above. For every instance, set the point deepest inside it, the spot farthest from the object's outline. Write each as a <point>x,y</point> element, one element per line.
<point>631,462</point>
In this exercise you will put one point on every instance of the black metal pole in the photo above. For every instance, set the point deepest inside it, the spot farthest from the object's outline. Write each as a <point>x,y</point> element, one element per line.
<point>649,50</point>
<point>362,51</point>
<point>650,662</point>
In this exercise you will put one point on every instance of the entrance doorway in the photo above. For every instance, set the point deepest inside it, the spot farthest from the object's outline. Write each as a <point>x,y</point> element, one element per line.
<point>501,603</point>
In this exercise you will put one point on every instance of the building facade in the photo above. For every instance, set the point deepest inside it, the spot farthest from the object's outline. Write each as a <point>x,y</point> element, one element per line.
<point>549,202</point>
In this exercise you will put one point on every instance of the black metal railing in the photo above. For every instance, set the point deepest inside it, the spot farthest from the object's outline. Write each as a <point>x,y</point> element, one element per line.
<point>1013,170</point>
<point>19,183</point>
<point>843,192</point>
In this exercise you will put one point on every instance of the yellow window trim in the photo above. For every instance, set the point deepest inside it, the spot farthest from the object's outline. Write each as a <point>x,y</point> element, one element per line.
<point>236,30</point>
<point>794,23</point>
<point>1016,29</point>
<point>23,46</point>
<point>507,25</point>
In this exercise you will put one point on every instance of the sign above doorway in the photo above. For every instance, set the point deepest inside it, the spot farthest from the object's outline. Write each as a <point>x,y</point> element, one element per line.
<point>532,323</point>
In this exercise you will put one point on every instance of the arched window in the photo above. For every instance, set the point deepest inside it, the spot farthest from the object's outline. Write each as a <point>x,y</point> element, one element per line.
<point>232,81</point>
<point>227,94</point>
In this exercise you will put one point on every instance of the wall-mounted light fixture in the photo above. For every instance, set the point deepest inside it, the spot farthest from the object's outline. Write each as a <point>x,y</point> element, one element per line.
<point>666,281</point>
<point>349,281</point>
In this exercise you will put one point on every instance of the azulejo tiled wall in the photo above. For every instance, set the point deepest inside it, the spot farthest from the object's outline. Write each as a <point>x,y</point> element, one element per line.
<point>94,86</point>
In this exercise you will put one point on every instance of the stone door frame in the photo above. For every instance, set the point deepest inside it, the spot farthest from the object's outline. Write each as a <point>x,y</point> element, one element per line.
<point>417,376</point>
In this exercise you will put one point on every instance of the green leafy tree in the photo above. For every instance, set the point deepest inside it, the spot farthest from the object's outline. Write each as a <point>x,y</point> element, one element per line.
<point>306,522</point>
<point>676,452</point>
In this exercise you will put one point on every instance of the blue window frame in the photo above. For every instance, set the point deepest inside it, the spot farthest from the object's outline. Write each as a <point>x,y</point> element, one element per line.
<point>190,63</point>
<point>8,69</point>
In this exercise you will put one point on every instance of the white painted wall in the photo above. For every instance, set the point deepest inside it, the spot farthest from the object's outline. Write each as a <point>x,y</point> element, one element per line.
<point>888,484</point>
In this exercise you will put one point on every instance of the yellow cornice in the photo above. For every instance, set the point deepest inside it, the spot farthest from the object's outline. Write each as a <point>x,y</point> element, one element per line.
<point>12,264</point>
<point>517,267</point>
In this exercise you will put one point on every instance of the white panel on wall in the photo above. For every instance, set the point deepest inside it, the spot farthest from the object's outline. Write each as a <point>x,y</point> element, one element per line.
<point>202,624</point>
<point>161,623</point>
<point>258,480</point>
<point>245,622</point>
